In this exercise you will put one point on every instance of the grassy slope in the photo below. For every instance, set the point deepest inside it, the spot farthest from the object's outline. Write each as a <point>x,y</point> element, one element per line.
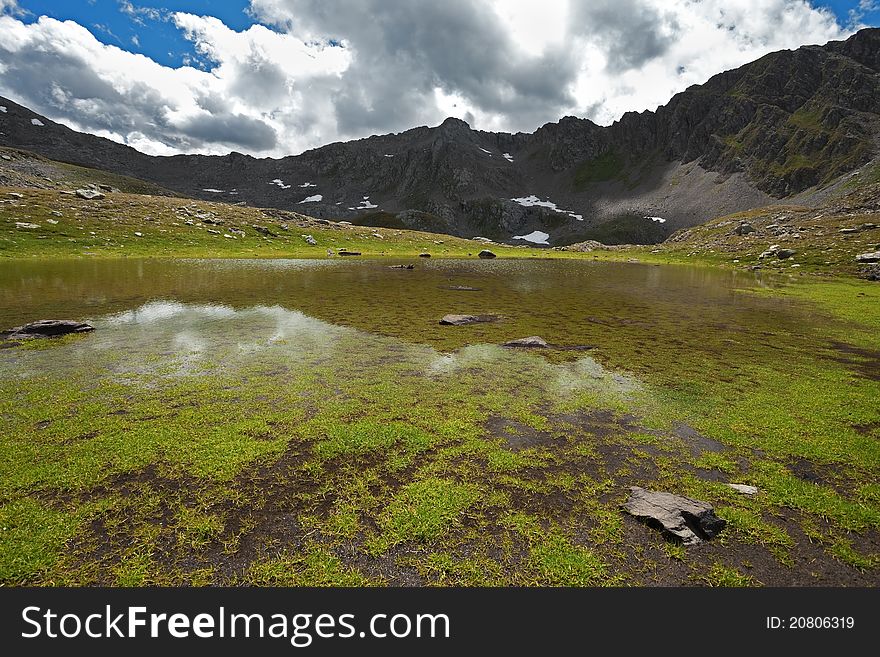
<point>106,228</point>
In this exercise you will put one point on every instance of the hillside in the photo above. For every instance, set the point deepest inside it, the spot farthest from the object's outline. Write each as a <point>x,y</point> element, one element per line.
<point>782,127</point>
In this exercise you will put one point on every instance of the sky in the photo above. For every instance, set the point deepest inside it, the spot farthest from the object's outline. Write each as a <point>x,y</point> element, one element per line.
<point>277,77</point>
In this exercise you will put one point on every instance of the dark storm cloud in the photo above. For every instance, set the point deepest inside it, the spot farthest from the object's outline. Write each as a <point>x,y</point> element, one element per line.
<point>630,32</point>
<point>234,129</point>
<point>403,49</point>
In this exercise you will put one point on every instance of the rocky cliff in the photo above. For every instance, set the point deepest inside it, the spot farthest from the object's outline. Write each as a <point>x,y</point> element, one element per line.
<point>789,122</point>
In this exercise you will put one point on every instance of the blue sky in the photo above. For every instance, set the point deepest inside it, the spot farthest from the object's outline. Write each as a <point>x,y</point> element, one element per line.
<point>276,77</point>
<point>129,25</point>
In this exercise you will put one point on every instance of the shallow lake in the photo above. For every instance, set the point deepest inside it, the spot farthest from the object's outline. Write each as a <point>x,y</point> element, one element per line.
<point>310,422</point>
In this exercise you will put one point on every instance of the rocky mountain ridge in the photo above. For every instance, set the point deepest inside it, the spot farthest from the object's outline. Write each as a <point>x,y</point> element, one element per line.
<point>779,127</point>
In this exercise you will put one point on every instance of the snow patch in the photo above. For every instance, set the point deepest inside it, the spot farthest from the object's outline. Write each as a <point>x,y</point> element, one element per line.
<point>388,155</point>
<point>659,220</point>
<point>36,122</point>
<point>507,156</point>
<point>308,184</point>
<point>280,183</point>
<point>313,199</point>
<point>2,109</point>
<point>529,201</point>
<point>212,190</point>
<point>489,153</point>
<point>365,204</point>
<point>535,237</point>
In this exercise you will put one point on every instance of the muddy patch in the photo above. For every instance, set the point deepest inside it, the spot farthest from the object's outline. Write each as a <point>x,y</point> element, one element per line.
<point>696,442</point>
<point>518,435</point>
<point>864,362</point>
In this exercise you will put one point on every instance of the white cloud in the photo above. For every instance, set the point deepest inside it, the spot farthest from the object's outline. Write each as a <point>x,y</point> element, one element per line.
<point>347,69</point>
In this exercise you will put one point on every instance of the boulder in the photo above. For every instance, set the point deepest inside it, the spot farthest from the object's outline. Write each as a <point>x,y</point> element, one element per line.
<point>531,342</point>
<point>46,328</point>
<point>744,229</point>
<point>785,254</point>
<point>89,194</point>
<point>424,255</point>
<point>682,518</point>
<point>869,257</point>
<point>462,320</point>
<point>262,230</point>
<point>486,254</point>
<point>311,241</point>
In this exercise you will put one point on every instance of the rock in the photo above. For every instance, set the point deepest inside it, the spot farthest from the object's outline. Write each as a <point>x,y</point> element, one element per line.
<point>785,254</point>
<point>139,234</point>
<point>744,229</point>
<point>531,342</point>
<point>343,223</point>
<point>46,328</point>
<point>262,230</point>
<point>57,213</point>
<point>745,489</point>
<point>690,521</point>
<point>5,157</point>
<point>107,188</point>
<point>14,194</point>
<point>401,266</point>
<point>310,240</point>
<point>463,320</point>
<point>869,257</point>
<point>868,226</point>
<point>424,255</point>
<point>89,194</point>
<point>349,253</point>
<point>463,288</point>
<point>848,231</point>
<point>26,225</point>
<point>237,231</point>
<point>486,254</point>
<point>213,232</point>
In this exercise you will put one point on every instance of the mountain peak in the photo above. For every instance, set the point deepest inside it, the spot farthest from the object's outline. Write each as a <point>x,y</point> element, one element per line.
<point>452,123</point>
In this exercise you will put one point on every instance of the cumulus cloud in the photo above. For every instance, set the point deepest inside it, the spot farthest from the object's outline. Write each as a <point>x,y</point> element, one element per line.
<point>313,71</point>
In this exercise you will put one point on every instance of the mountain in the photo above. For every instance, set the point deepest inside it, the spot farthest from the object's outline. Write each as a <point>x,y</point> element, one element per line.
<point>785,126</point>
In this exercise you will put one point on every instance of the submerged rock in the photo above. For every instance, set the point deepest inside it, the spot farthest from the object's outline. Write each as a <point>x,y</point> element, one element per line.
<point>690,521</point>
<point>462,320</point>
<point>89,194</point>
<point>46,328</point>
<point>531,342</point>
<point>486,254</point>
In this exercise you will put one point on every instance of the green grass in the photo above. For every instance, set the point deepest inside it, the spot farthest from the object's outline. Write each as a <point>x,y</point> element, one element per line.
<point>603,168</point>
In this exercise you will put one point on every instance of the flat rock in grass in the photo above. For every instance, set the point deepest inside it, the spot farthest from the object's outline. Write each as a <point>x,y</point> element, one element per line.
<point>682,518</point>
<point>46,328</point>
<point>463,320</point>
<point>89,194</point>
<point>462,288</point>
<point>869,257</point>
<point>531,342</point>
<point>745,489</point>
<point>349,253</point>
<point>785,254</point>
